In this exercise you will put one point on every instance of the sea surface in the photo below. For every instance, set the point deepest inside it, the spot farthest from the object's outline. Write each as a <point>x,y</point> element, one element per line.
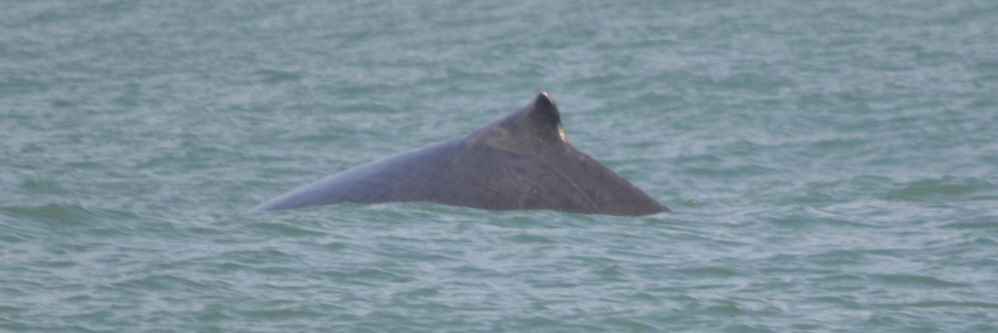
<point>831,166</point>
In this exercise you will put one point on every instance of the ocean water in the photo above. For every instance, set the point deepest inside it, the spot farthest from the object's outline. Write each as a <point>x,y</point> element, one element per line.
<point>831,166</point>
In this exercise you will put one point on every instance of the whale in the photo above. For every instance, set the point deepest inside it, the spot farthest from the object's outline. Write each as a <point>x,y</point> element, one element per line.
<point>522,161</point>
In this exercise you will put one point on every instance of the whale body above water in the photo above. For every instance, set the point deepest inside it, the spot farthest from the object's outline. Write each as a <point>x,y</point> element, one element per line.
<point>520,162</point>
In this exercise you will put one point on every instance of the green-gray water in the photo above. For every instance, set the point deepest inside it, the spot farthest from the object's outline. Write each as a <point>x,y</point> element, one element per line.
<point>831,166</point>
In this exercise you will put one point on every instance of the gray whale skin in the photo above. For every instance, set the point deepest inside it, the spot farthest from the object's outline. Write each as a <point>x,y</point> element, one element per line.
<point>522,161</point>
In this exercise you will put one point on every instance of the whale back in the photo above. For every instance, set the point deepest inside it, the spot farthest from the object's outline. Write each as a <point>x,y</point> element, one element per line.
<point>522,161</point>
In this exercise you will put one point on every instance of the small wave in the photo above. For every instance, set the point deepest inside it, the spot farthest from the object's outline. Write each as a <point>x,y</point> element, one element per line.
<point>944,189</point>
<point>915,280</point>
<point>64,215</point>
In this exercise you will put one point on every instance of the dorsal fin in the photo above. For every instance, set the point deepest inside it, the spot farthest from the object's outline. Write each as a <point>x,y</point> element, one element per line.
<point>543,118</point>
<point>545,111</point>
<point>533,129</point>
